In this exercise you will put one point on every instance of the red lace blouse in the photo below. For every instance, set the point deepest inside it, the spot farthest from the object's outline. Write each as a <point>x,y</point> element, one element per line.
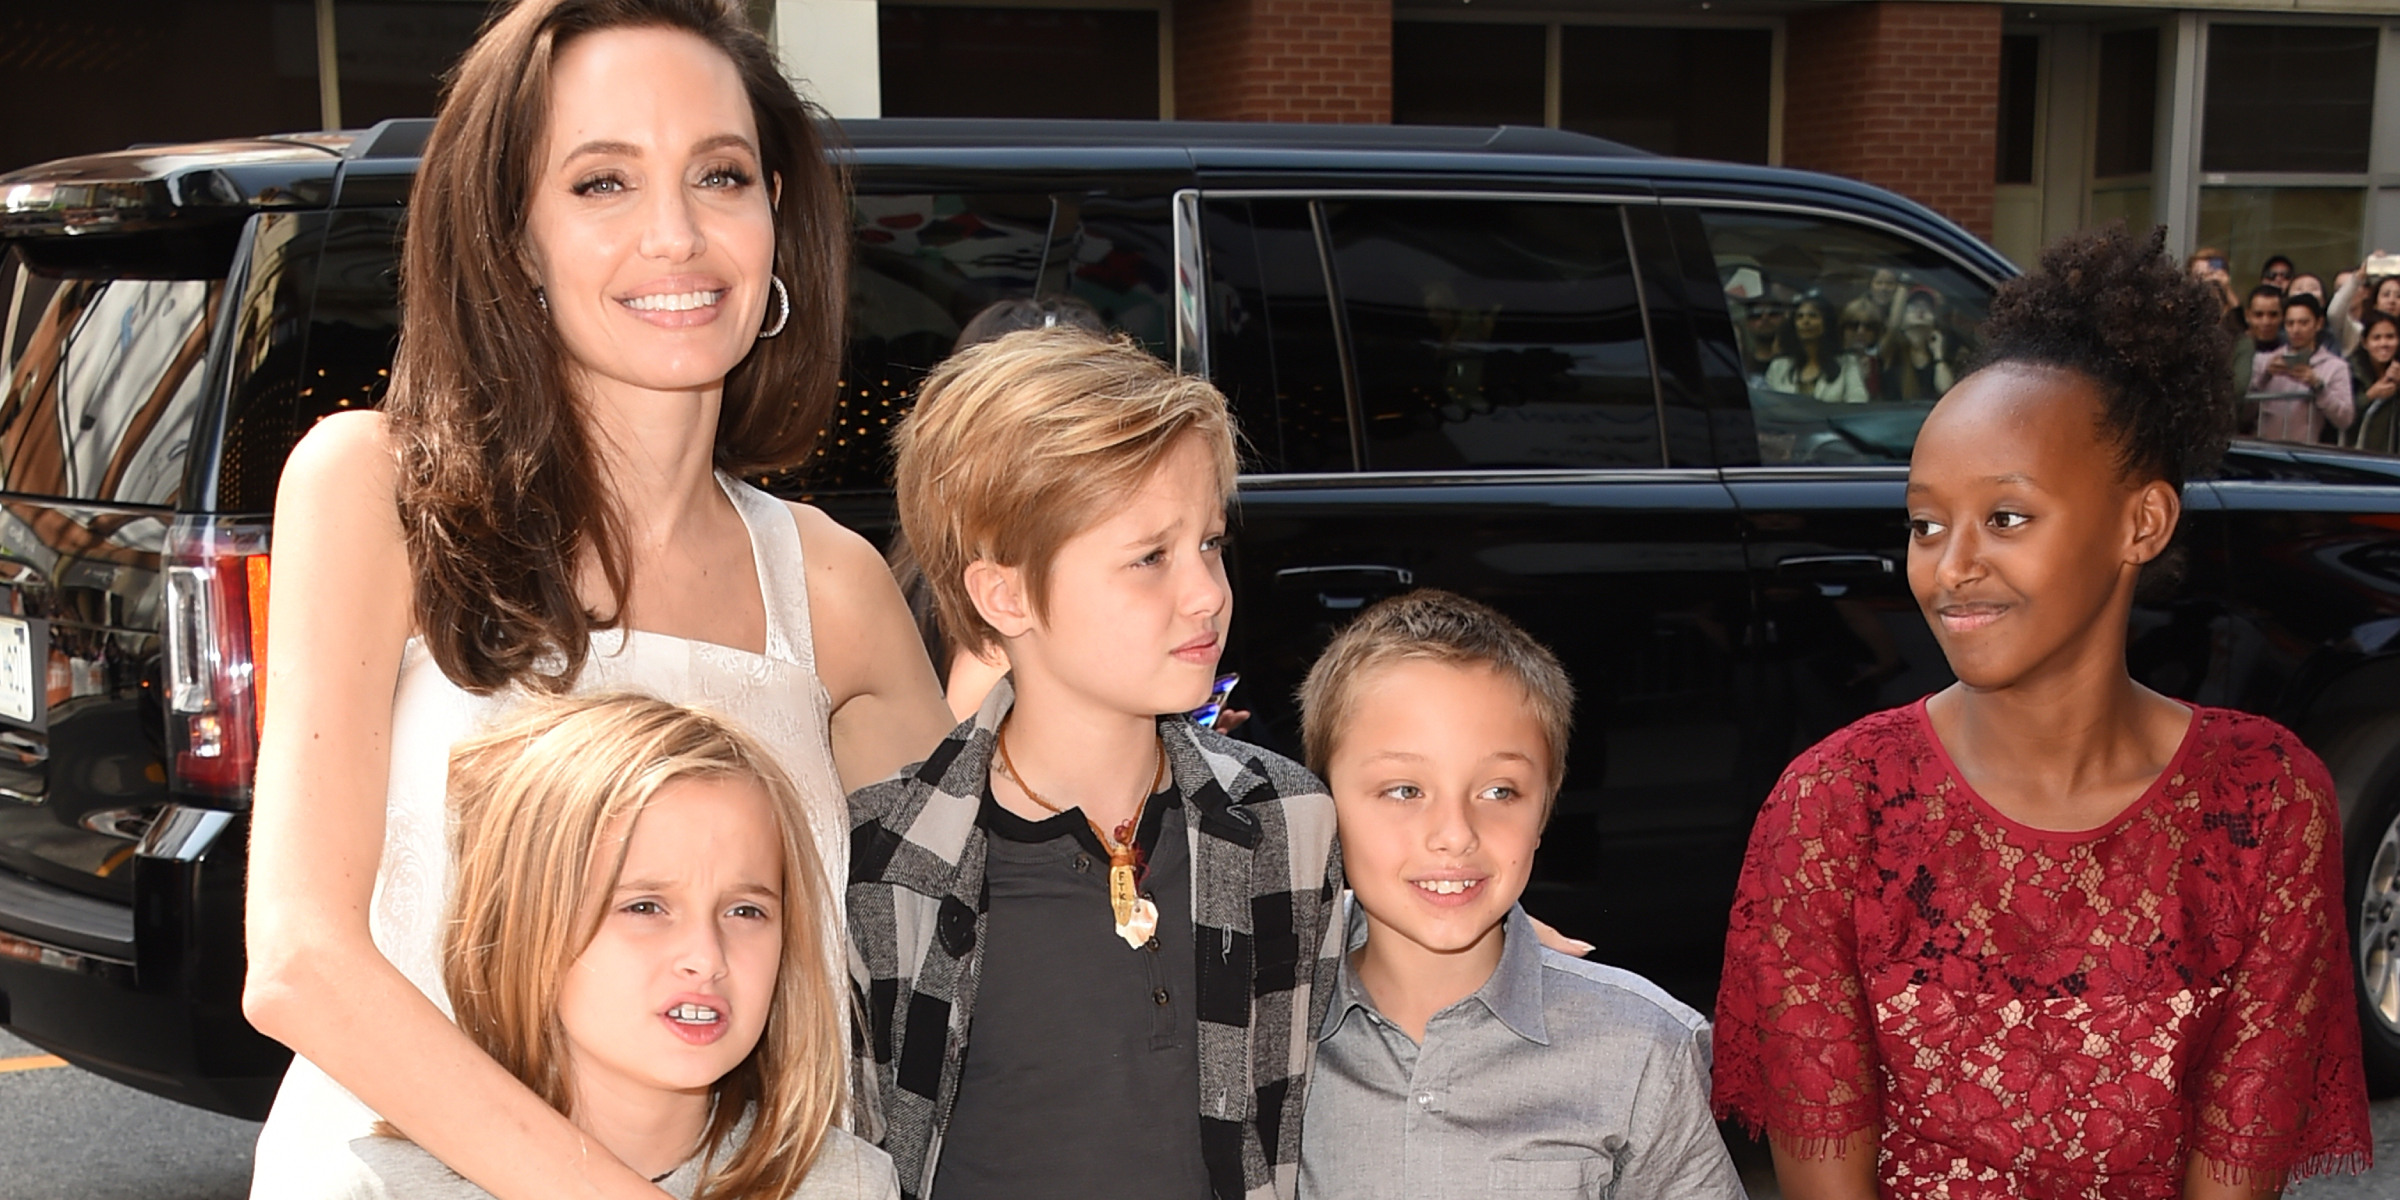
<point>2030,1013</point>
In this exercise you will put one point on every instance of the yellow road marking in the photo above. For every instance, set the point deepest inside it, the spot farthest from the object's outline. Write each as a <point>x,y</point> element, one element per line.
<point>31,1062</point>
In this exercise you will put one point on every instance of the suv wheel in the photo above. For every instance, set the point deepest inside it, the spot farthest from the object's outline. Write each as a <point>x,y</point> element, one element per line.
<point>2375,899</point>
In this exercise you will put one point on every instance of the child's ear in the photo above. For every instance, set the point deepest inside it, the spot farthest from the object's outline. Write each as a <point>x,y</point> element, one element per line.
<point>2156,508</point>
<point>999,595</point>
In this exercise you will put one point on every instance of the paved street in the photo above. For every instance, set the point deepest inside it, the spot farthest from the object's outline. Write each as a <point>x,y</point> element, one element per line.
<point>75,1136</point>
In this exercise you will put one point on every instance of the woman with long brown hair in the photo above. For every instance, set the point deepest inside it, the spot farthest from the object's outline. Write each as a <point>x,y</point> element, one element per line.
<point>622,289</point>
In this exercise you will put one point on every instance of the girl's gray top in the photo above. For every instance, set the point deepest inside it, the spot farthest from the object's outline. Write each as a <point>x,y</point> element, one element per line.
<point>391,1168</point>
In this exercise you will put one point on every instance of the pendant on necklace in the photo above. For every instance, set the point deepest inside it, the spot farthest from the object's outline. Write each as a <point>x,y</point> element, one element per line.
<point>1137,918</point>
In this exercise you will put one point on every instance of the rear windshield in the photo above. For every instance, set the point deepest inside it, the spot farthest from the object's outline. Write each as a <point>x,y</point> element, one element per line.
<point>103,381</point>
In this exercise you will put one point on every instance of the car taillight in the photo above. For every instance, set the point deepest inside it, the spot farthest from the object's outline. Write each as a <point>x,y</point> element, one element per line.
<point>216,645</point>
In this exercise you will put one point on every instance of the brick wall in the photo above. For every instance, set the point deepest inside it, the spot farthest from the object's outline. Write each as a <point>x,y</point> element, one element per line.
<point>1283,60</point>
<point>1900,95</point>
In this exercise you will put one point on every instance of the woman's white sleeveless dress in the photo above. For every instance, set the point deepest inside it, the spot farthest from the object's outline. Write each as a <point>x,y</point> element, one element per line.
<point>775,696</point>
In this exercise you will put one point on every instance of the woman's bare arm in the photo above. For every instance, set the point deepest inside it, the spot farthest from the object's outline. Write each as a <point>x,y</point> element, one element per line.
<point>888,710</point>
<point>1848,1173</point>
<point>341,611</point>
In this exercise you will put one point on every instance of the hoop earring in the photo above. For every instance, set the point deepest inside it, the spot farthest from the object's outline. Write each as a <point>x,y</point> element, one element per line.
<point>783,314</point>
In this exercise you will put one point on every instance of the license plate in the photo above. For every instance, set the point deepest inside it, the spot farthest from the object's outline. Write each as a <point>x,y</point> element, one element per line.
<point>20,668</point>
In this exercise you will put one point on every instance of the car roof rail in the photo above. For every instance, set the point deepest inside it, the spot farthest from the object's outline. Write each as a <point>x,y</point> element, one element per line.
<point>875,133</point>
<point>398,137</point>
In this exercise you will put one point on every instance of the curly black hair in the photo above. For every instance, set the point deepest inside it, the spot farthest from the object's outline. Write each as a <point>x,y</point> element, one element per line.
<point>2116,310</point>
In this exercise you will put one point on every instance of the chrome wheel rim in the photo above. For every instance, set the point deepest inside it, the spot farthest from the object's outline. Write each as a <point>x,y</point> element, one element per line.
<point>2379,932</point>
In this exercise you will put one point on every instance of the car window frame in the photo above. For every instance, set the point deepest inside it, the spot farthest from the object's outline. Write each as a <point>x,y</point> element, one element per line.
<point>1190,299</point>
<point>1711,311</point>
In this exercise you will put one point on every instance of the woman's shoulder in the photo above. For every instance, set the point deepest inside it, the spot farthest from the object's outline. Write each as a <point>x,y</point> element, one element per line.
<point>347,452</point>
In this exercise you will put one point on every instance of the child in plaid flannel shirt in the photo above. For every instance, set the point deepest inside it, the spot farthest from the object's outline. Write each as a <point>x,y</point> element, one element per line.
<point>1150,1034</point>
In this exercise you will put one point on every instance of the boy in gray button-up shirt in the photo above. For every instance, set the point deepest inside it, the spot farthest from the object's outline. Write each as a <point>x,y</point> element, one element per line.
<point>1459,1057</point>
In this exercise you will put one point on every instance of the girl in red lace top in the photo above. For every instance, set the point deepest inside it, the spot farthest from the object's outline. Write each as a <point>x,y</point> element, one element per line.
<point>2048,933</point>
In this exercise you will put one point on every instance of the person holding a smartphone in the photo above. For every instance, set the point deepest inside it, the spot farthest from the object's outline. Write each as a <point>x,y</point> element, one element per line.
<point>2207,265</point>
<point>2374,285</point>
<point>2305,388</point>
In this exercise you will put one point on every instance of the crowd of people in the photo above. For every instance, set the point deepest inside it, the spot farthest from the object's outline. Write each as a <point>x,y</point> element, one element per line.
<point>2312,366</point>
<point>613,836</point>
<point>1842,343</point>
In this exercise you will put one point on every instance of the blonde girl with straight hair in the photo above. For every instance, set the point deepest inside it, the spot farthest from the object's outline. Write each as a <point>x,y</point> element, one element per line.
<point>635,933</point>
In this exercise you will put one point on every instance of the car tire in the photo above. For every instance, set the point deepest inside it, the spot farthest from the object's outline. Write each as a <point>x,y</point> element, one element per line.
<point>2374,910</point>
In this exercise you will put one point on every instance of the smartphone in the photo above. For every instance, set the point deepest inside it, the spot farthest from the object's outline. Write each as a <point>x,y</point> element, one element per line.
<point>1206,715</point>
<point>2294,358</point>
<point>2214,264</point>
<point>2382,264</point>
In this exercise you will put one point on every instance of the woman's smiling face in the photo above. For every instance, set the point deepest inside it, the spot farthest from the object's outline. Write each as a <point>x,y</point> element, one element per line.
<point>2025,536</point>
<point>650,226</point>
<point>2382,342</point>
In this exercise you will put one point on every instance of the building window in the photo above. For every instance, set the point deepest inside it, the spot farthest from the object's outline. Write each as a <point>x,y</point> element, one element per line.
<point>2020,106</point>
<point>85,78</point>
<point>2296,98</point>
<point>2316,227</point>
<point>389,55</point>
<point>2126,108</point>
<point>1697,93</point>
<point>1019,62</point>
<point>2285,128</point>
<point>2125,127</point>
<point>1456,73</point>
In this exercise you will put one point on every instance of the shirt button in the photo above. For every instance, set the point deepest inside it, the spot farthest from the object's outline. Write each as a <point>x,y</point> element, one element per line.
<point>1151,945</point>
<point>1424,1099</point>
<point>1161,996</point>
<point>1083,862</point>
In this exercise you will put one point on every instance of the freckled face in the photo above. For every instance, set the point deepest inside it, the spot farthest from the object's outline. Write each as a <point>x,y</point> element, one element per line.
<point>1439,782</point>
<point>650,226</point>
<point>2020,524</point>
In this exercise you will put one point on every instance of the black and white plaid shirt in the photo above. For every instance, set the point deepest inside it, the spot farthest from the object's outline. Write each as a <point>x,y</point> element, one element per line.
<point>1265,877</point>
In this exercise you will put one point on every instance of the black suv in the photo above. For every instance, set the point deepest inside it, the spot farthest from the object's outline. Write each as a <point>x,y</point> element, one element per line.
<point>1528,366</point>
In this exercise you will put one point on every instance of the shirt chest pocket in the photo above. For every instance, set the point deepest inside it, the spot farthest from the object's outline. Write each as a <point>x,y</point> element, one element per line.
<point>1584,1177</point>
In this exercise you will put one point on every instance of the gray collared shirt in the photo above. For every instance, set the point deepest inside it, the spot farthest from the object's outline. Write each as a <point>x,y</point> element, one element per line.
<point>1557,1078</point>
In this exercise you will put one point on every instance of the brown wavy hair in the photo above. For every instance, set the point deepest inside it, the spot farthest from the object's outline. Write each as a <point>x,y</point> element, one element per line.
<point>500,489</point>
<point>544,807</point>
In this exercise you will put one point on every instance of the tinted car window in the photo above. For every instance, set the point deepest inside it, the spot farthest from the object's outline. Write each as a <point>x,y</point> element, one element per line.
<point>102,377</point>
<point>1271,336</point>
<point>1493,334</point>
<point>1847,334</point>
<point>1117,255</point>
<point>928,262</point>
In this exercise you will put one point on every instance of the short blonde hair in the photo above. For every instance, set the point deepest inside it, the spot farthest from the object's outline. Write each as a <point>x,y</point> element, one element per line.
<point>1428,625</point>
<point>534,802</point>
<point>1020,443</point>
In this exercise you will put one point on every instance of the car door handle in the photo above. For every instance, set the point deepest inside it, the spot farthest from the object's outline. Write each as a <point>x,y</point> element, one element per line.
<point>1344,586</point>
<point>1835,564</point>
